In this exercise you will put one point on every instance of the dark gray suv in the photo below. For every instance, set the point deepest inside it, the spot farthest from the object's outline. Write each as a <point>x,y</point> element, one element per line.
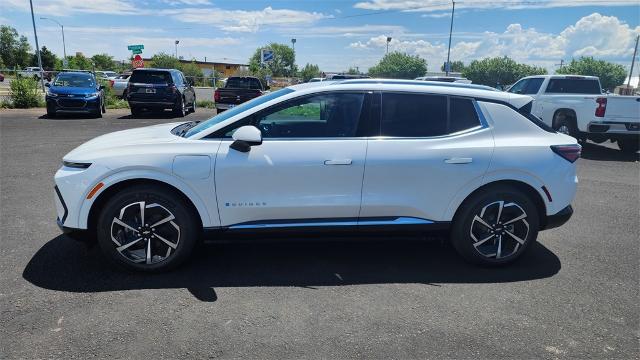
<point>160,89</point>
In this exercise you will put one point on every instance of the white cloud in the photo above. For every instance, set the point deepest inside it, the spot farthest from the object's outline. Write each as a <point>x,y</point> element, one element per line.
<point>187,2</point>
<point>244,20</point>
<point>437,15</point>
<point>346,31</point>
<point>70,7</point>
<point>593,35</point>
<point>438,5</point>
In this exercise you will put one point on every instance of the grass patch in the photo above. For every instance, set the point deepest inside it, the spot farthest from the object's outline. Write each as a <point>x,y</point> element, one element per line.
<point>208,104</point>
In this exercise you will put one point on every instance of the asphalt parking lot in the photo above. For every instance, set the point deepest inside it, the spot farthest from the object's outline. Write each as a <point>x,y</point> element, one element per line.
<point>575,295</point>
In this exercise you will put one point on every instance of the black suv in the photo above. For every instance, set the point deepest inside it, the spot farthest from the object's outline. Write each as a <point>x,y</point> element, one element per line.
<point>159,89</point>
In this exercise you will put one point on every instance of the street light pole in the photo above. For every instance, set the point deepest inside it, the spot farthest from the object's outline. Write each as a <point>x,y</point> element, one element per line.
<point>293,47</point>
<point>388,41</point>
<point>64,46</point>
<point>633,62</point>
<point>447,66</point>
<point>35,35</point>
<point>177,42</point>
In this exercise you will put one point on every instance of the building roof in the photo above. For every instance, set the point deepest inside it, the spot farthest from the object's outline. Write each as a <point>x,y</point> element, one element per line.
<point>184,61</point>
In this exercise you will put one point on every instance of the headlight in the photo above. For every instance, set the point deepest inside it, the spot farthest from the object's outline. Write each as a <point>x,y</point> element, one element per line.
<point>76,165</point>
<point>49,93</point>
<point>93,95</point>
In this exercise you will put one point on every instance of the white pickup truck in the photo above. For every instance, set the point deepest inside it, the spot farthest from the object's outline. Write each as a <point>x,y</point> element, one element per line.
<point>34,72</point>
<point>575,105</point>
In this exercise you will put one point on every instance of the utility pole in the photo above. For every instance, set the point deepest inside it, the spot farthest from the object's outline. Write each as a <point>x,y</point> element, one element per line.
<point>447,67</point>
<point>35,34</point>
<point>633,62</point>
<point>388,41</point>
<point>561,63</point>
<point>64,46</point>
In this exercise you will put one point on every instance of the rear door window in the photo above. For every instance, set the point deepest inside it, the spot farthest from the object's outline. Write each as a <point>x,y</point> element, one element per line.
<point>573,86</point>
<point>151,77</point>
<point>413,115</point>
<point>533,85</point>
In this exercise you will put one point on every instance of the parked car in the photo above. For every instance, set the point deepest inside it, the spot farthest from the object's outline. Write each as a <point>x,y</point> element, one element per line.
<point>236,90</point>
<point>452,79</point>
<point>575,105</point>
<point>106,75</point>
<point>160,89</point>
<point>437,157</point>
<point>119,85</point>
<point>345,77</point>
<point>34,72</point>
<point>75,92</point>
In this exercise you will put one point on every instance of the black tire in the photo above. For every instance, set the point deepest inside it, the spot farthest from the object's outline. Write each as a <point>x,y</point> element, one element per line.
<point>98,113</point>
<point>135,111</point>
<point>180,109</point>
<point>487,201</point>
<point>193,106</point>
<point>51,112</point>
<point>184,237</point>
<point>630,146</point>
<point>566,125</point>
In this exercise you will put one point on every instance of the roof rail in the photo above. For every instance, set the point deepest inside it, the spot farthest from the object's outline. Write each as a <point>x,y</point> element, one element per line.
<point>416,82</point>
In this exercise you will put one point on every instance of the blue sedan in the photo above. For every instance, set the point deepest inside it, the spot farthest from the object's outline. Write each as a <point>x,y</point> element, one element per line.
<point>75,92</point>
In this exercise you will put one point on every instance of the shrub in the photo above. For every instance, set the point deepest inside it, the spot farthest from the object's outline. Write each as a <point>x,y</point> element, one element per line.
<point>25,94</point>
<point>205,104</point>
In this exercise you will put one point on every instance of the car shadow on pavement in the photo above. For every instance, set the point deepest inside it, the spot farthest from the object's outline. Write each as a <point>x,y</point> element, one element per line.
<point>65,265</point>
<point>591,151</point>
<point>69,117</point>
<point>154,115</point>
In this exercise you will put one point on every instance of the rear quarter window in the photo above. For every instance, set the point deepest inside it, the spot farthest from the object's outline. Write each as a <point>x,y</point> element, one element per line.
<point>573,86</point>
<point>462,116</point>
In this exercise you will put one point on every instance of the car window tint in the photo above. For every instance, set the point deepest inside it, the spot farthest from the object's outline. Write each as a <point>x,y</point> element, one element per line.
<point>243,83</point>
<point>533,85</point>
<point>573,86</point>
<point>463,115</point>
<point>413,115</point>
<point>519,87</point>
<point>324,115</point>
<point>151,77</point>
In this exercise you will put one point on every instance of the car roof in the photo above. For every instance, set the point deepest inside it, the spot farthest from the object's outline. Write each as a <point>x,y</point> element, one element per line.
<point>416,82</point>
<point>563,76</point>
<point>75,73</point>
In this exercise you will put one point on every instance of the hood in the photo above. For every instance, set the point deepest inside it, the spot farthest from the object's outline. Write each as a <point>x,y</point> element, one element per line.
<point>72,90</point>
<point>115,141</point>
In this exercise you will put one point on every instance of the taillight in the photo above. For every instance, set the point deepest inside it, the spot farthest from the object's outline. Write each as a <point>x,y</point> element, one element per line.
<point>602,106</point>
<point>571,153</point>
<point>216,95</point>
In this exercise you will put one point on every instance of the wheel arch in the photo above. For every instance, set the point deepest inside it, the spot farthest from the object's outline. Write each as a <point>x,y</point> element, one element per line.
<point>526,188</point>
<point>117,181</point>
<point>564,111</point>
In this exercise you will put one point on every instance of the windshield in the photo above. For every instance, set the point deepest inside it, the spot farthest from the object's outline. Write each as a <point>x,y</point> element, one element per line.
<point>236,110</point>
<point>74,80</point>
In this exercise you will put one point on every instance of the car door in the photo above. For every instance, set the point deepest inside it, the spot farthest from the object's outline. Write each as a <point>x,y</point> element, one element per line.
<point>430,148</point>
<point>188,90</point>
<point>308,169</point>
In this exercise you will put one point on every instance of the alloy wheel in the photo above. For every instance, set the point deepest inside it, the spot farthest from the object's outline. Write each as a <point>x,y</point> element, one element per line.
<point>564,129</point>
<point>145,233</point>
<point>499,230</point>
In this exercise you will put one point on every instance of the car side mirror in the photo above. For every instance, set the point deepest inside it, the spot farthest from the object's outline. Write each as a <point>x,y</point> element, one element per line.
<point>245,137</point>
<point>47,84</point>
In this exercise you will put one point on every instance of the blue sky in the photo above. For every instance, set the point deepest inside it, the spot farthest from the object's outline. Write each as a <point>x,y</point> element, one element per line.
<point>338,34</point>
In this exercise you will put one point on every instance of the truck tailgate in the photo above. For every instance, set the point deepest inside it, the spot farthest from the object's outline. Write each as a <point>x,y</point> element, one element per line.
<point>623,108</point>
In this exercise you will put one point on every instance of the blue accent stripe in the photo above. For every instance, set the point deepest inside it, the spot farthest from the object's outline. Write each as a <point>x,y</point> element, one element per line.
<point>347,222</point>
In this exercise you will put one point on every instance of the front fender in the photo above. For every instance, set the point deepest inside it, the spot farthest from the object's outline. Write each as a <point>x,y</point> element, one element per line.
<point>196,192</point>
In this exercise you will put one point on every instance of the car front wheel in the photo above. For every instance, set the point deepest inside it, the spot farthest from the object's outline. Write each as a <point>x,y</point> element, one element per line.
<point>147,228</point>
<point>495,226</point>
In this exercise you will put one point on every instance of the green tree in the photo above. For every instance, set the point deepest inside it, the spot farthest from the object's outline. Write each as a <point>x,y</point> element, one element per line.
<point>192,72</point>
<point>103,62</point>
<point>79,62</point>
<point>610,74</point>
<point>456,66</point>
<point>49,59</point>
<point>353,71</point>
<point>15,50</point>
<point>400,66</point>
<point>309,71</point>
<point>165,61</point>
<point>499,71</point>
<point>24,93</point>
<point>283,63</point>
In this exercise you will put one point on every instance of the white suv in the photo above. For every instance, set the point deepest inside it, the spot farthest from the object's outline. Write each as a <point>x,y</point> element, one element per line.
<point>367,155</point>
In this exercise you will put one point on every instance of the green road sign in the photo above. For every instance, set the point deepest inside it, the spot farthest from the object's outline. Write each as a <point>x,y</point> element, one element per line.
<point>136,51</point>
<point>135,47</point>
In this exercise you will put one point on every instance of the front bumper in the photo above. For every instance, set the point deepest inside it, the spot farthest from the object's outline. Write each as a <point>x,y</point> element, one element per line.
<point>73,105</point>
<point>558,219</point>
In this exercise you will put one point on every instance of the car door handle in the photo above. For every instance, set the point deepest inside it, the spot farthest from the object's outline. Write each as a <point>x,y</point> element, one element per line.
<point>338,162</point>
<point>458,160</point>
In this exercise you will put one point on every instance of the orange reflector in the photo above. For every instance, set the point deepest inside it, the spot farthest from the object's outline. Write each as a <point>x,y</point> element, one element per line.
<point>94,190</point>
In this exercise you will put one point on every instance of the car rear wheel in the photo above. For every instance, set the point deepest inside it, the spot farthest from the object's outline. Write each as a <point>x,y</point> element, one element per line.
<point>147,228</point>
<point>495,226</point>
<point>181,108</point>
<point>135,111</point>
<point>565,126</point>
